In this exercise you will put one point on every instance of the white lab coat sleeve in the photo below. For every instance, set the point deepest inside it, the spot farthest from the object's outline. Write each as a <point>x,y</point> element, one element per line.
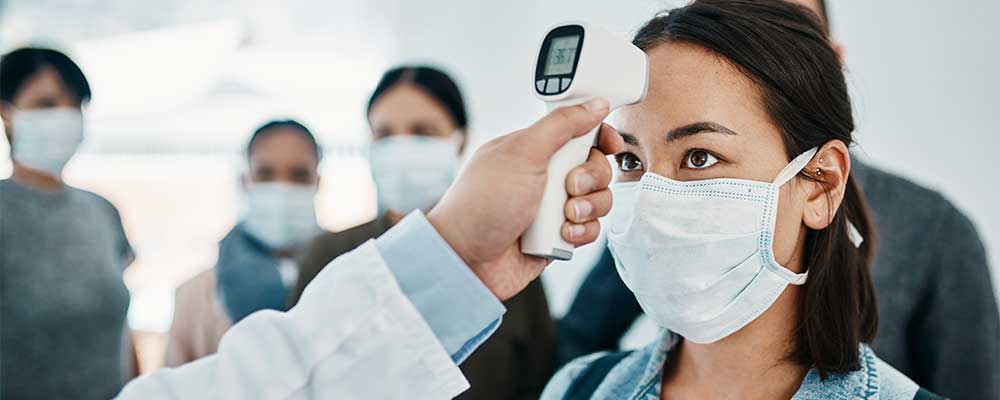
<point>353,335</point>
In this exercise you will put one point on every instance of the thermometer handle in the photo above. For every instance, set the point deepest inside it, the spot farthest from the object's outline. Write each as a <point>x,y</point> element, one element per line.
<point>544,237</point>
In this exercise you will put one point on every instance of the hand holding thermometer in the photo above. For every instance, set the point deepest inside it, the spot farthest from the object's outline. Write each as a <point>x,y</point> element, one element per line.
<point>577,62</point>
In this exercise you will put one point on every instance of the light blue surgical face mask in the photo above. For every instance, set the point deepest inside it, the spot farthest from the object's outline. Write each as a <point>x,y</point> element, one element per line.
<point>698,254</point>
<point>412,172</point>
<point>281,215</point>
<point>46,139</point>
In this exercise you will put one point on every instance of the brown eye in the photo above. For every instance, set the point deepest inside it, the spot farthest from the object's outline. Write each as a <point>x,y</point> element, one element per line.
<point>699,159</point>
<point>302,175</point>
<point>382,132</point>
<point>422,130</point>
<point>628,162</point>
<point>264,174</point>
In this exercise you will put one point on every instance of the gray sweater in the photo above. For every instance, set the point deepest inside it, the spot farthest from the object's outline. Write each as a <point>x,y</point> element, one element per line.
<point>938,318</point>
<point>62,299</point>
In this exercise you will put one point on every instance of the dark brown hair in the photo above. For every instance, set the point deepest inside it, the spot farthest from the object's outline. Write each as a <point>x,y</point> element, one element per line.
<point>295,126</point>
<point>19,66</point>
<point>784,49</point>
<point>433,81</point>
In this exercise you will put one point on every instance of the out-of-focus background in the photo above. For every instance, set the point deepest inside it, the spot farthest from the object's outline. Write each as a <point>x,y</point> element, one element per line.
<point>180,84</point>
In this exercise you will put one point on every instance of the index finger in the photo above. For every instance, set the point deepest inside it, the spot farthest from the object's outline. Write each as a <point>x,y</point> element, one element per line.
<point>552,132</point>
<point>609,141</point>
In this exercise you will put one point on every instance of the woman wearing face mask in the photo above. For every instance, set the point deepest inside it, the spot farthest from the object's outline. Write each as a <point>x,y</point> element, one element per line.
<point>736,221</point>
<point>62,249</point>
<point>418,122</point>
<point>256,266</point>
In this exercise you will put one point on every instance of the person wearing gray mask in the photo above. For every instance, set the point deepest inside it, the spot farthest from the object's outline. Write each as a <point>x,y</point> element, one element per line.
<point>62,250</point>
<point>419,130</point>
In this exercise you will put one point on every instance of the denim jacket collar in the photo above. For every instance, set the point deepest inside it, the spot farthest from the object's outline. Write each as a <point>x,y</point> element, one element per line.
<point>643,370</point>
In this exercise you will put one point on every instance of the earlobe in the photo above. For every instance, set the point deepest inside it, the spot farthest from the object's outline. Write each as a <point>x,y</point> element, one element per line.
<point>827,179</point>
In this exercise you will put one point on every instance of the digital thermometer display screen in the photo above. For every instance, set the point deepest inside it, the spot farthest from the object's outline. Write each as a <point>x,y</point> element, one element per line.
<point>562,54</point>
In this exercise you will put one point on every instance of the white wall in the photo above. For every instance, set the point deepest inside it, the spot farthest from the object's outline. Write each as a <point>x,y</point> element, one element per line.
<point>923,73</point>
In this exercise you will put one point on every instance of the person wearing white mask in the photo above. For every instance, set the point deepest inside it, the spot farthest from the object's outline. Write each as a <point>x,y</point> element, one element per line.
<point>737,220</point>
<point>418,124</point>
<point>256,265</point>
<point>62,250</point>
<point>939,328</point>
<point>419,128</point>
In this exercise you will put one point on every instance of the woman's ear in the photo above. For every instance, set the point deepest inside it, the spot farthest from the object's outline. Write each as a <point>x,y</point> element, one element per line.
<point>6,117</point>
<point>828,172</point>
<point>463,140</point>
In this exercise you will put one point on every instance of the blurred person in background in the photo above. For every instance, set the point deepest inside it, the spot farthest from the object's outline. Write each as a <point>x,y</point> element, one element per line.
<point>938,323</point>
<point>418,122</point>
<point>256,266</point>
<point>62,249</point>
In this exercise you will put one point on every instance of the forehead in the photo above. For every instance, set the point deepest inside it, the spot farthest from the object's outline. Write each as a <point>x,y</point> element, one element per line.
<point>282,142</point>
<point>688,84</point>
<point>44,83</point>
<point>404,101</point>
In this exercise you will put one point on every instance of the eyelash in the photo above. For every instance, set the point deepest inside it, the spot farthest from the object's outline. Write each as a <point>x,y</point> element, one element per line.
<point>689,153</point>
<point>620,159</point>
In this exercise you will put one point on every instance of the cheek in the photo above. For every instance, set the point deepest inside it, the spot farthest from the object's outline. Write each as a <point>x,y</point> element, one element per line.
<point>788,233</point>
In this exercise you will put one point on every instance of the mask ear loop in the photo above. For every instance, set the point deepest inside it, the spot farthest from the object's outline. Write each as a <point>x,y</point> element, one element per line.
<point>854,234</point>
<point>790,171</point>
<point>793,168</point>
<point>456,138</point>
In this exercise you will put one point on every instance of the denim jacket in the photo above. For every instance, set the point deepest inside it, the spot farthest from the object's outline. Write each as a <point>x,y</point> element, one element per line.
<point>638,377</point>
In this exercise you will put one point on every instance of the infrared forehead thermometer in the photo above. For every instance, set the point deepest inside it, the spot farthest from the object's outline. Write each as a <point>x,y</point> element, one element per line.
<point>577,62</point>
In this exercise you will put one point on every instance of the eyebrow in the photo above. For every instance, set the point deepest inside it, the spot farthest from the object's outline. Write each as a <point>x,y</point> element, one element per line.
<point>630,139</point>
<point>681,132</point>
<point>697,128</point>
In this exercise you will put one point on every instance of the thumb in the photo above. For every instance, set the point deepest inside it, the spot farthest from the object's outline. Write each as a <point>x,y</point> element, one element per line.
<point>549,134</point>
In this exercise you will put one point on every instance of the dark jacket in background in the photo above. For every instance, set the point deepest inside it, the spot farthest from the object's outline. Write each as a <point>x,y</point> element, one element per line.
<point>514,363</point>
<point>938,318</point>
